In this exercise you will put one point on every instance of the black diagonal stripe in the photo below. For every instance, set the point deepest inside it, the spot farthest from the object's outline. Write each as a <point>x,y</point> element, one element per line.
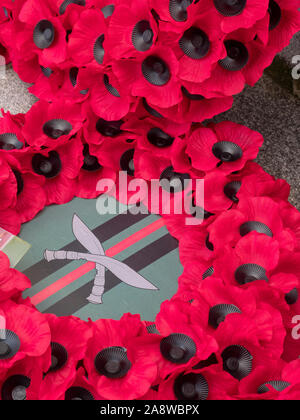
<point>142,259</point>
<point>112,227</point>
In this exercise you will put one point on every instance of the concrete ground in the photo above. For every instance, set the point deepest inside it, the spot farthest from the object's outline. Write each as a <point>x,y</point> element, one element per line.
<point>269,107</point>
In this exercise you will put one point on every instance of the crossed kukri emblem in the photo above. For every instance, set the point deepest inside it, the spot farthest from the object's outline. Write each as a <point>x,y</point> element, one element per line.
<point>97,255</point>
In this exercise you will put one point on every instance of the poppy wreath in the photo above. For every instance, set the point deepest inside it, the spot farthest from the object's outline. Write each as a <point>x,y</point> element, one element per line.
<point>126,86</point>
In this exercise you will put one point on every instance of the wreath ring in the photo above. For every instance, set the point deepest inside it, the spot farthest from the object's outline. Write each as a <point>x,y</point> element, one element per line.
<point>134,99</point>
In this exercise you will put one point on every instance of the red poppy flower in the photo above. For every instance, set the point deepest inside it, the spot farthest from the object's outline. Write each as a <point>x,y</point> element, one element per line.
<point>194,273</point>
<point>8,186</point>
<point>58,168</point>
<point>11,281</point>
<point>198,46</point>
<point>195,108</point>
<point>109,96</point>
<point>226,146</point>
<point>174,12</point>
<point>254,262</point>
<point>116,363</point>
<point>10,221</point>
<point>283,22</point>
<point>45,81</point>
<point>39,32</point>
<point>253,181</point>
<point>69,340</point>
<point>215,301</point>
<point>158,136</point>
<point>87,37</point>
<point>210,383</point>
<point>241,14</point>
<point>260,214</point>
<point>11,136</point>
<point>195,244</point>
<point>49,125</point>
<point>132,30</point>
<point>276,381</point>
<point>96,130</point>
<point>30,195</point>
<point>182,343</point>
<point>244,64</point>
<point>81,389</point>
<point>22,381</point>
<point>90,174</point>
<point>5,13</point>
<point>107,7</point>
<point>26,333</point>
<point>119,154</point>
<point>240,352</point>
<point>224,192</point>
<point>152,75</point>
<point>9,218</point>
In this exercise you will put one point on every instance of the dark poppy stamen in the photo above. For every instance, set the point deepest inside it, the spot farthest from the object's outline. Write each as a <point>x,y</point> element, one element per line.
<point>159,138</point>
<point>227,151</point>
<point>231,190</point>
<point>191,96</point>
<point>209,245</point>
<point>108,10</point>
<point>172,181</point>
<point>59,357</point>
<point>191,387</point>
<point>152,329</point>
<point>73,75</point>
<point>292,297</point>
<point>15,388</point>
<point>19,180</point>
<point>275,14</point>
<point>44,34</point>
<point>56,128</point>
<point>248,273</point>
<point>127,162</point>
<point>91,163</point>
<point>156,71</point>
<point>178,348</point>
<point>9,141</point>
<point>195,43</point>
<point>218,314</point>
<point>178,9</point>
<point>255,227</point>
<point>237,361</point>
<point>113,362</point>
<point>10,345</point>
<point>230,7</point>
<point>49,167</point>
<point>98,50</point>
<point>66,3</point>
<point>77,393</point>
<point>199,212</point>
<point>46,71</point>
<point>237,56</point>
<point>142,36</point>
<point>109,128</point>
<point>151,110</point>
<point>208,273</point>
<point>277,385</point>
<point>113,91</point>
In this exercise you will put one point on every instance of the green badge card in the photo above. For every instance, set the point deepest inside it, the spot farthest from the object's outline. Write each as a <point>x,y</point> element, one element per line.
<point>93,265</point>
